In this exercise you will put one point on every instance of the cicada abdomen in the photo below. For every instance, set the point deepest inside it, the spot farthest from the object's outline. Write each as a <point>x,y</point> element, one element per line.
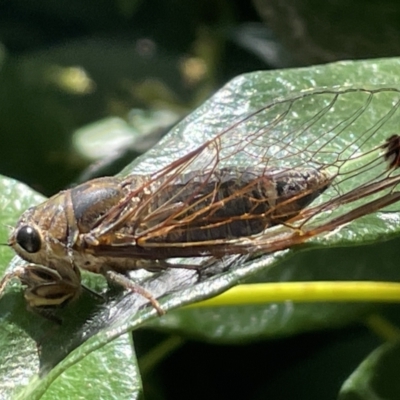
<point>220,205</point>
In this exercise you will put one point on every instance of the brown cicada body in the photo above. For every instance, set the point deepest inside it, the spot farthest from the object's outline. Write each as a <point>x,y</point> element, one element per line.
<point>260,186</point>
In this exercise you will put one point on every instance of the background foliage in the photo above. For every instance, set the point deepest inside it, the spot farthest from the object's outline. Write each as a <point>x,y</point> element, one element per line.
<point>101,81</point>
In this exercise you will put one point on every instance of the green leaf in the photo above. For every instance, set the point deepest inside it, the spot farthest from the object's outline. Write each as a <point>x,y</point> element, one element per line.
<point>90,327</point>
<point>376,377</point>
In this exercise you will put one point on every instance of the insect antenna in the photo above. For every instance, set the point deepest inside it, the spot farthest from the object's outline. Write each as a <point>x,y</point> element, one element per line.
<point>10,227</point>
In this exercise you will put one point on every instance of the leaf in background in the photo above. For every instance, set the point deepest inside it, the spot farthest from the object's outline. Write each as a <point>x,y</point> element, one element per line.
<point>96,325</point>
<point>376,377</point>
<point>325,38</point>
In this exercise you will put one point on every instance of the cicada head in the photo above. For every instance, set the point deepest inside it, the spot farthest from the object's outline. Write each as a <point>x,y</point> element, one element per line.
<point>40,235</point>
<point>50,279</point>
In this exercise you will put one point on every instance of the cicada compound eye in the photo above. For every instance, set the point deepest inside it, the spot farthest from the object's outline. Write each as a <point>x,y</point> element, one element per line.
<point>29,239</point>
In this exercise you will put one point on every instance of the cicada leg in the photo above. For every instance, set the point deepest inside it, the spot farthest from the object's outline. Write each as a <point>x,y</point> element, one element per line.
<point>46,287</point>
<point>15,273</point>
<point>126,283</point>
<point>161,265</point>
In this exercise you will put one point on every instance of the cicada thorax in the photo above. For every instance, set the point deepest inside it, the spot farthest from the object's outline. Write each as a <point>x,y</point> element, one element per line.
<point>90,201</point>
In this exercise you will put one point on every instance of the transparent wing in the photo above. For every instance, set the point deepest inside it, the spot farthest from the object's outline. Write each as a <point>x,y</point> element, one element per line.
<point>341,132</point>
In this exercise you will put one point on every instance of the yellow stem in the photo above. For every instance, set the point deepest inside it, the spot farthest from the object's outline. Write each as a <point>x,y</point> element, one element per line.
<point>332,291</point>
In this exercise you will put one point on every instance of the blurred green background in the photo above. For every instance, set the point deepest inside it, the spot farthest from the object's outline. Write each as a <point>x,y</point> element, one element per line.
<point>136,67</point>
<point>86,86</point>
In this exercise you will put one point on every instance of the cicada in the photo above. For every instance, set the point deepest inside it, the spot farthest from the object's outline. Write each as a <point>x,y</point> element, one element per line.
<point>265,183</point>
